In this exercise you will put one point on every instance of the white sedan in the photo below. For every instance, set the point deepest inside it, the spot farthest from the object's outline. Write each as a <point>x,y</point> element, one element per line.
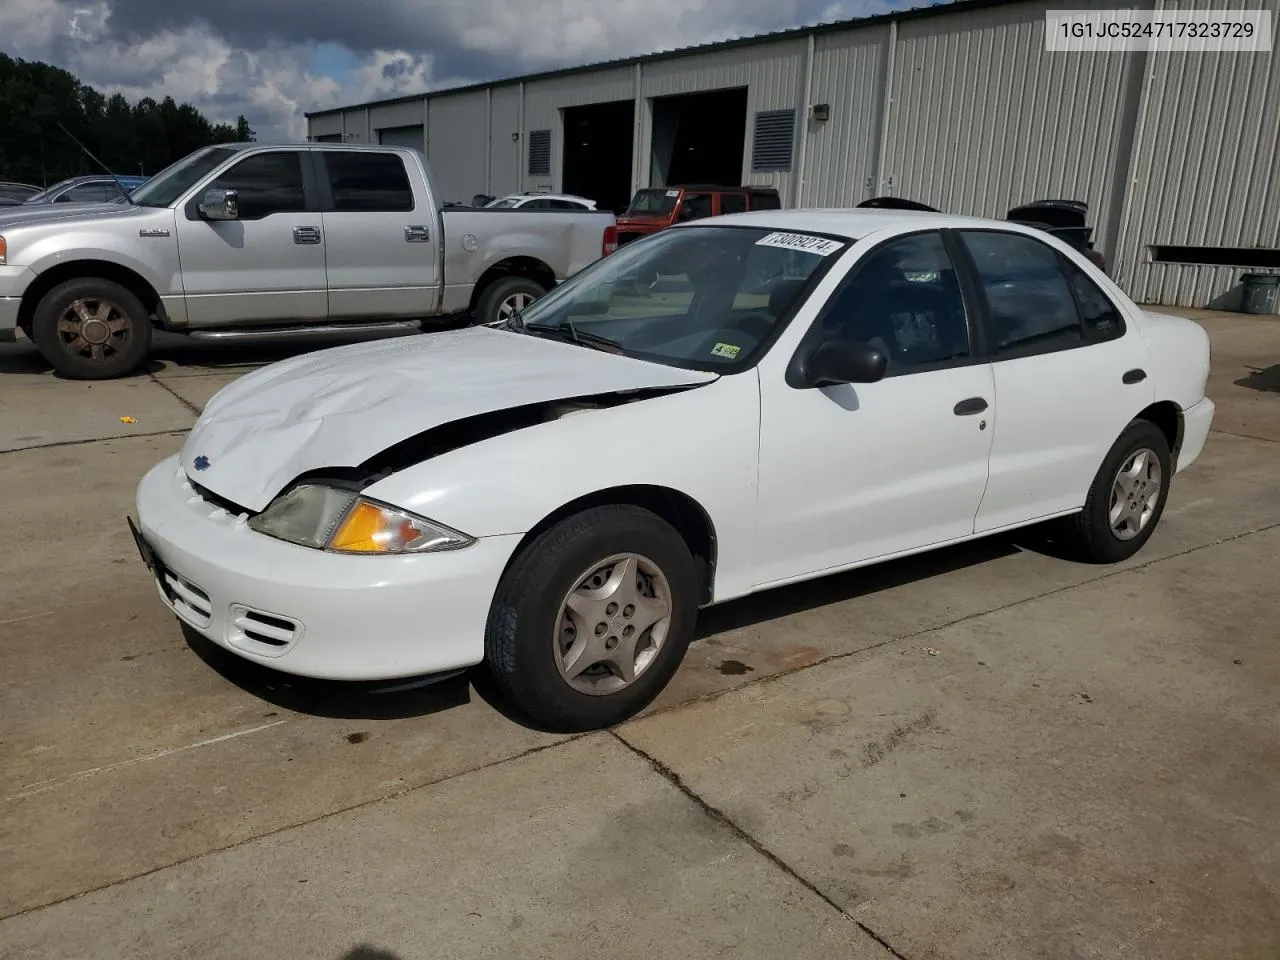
<point>805,392</point>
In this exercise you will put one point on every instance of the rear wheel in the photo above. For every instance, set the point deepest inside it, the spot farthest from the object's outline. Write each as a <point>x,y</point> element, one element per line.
<point>91,329</point>
<point>593,618</point>
<point>504,298</point>
<point>1126,500</point>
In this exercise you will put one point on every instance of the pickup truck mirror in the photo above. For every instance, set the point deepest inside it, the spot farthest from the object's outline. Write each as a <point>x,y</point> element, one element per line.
<point>220,205</point>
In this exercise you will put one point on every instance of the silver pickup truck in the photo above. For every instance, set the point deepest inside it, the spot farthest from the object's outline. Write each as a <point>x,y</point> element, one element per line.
<point>249,240</point>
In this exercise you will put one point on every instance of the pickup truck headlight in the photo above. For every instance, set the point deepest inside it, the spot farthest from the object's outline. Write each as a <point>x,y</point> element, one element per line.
<point>339,520</point>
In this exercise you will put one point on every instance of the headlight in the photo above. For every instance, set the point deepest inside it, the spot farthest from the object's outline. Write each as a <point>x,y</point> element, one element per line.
<point>340,520</point>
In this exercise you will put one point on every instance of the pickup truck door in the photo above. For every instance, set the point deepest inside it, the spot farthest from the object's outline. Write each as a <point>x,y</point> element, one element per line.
<point>269,264</point>
<point>383,248</point>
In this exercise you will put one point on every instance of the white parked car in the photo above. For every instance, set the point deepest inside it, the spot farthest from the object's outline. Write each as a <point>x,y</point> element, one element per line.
<point>541,201</point>
<point>559,495</point>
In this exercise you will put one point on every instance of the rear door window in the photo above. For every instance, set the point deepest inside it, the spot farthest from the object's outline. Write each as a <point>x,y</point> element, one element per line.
<point>733,203</point>
<point>368,182</point>
<point>1030,303</point>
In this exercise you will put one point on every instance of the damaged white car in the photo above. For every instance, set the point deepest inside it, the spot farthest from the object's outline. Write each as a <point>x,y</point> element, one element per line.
<point>721,408</point>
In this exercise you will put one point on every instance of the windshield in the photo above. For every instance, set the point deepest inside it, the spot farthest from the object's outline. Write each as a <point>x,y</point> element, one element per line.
<point>654,201</point>
<point>504,202</point>
<point>177,178</point>
<point>707,297</point>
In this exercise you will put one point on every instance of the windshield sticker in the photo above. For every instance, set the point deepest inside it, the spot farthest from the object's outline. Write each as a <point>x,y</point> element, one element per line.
<point>801,241</point>
<point>673,193</point>
<point>729,351</point>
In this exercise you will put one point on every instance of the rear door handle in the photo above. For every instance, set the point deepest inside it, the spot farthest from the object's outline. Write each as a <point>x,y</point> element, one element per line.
<point>1135,376</point>
<point>306,234</point>
<point>416,234</point>
<point>967,408</point>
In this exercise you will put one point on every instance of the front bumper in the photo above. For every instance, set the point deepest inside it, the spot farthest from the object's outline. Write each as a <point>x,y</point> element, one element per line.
<point>1196,423</point>
<point>312,613</point>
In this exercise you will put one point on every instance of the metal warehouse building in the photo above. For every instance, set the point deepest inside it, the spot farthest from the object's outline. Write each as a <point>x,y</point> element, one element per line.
<point>957,106</point>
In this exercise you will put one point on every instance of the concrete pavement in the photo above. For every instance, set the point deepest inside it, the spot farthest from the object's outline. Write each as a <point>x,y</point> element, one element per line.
<point>983,752</point>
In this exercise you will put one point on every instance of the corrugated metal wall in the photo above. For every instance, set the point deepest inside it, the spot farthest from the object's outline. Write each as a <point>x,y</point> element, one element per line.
<point>1207,170</point>
<point>841,153</point>
<point>504,157</point>
<point>1172,148</point>
<point>982,118</point>
<point>458,142</point>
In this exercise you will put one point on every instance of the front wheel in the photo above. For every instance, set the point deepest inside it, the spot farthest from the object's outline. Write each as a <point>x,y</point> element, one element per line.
<point>593,618</point>
<point>91,329</point>
<point>1126,500</point>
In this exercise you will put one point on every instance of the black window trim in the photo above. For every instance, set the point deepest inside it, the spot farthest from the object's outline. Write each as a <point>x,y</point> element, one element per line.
<point>974,313</point>
<point>324,190</point>
<point>310,186</point>
<point>1037,349</point>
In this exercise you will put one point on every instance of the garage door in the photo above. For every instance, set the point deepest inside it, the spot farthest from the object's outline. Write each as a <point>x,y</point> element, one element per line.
<point>402,137</point>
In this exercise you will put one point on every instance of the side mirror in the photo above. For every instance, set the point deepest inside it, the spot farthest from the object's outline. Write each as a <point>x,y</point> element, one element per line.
<point>841,361</point>
<point>220,205</point>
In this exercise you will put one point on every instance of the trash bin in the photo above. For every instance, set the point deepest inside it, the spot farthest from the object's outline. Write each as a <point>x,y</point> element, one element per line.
<point>1258,292</point>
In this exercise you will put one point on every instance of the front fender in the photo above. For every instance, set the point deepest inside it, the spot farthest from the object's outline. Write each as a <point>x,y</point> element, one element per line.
<point>154,258</point>
<point>702,442</point>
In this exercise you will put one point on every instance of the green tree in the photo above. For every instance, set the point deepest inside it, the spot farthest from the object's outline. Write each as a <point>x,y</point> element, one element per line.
<point>129,138</point>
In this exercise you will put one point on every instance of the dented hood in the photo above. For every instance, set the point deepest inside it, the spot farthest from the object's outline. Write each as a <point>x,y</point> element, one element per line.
<point>339,407</point>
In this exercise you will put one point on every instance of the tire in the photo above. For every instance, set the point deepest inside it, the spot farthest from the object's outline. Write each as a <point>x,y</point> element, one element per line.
<point>507,291</point>
<point>1090,535</point>
<point>91,329</point>
<point>528,645</point>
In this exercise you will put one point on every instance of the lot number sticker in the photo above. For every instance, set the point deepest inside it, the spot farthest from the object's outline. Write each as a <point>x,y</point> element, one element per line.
<point>729,351</point>
<point>802,242</point>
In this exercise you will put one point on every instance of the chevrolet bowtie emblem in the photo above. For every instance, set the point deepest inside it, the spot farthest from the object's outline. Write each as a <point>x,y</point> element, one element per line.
<point>201,462</point>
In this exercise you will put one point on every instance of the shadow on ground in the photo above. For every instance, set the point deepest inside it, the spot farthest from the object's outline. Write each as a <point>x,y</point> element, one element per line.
<point>1266,379</point>
<point>334,699</point>
<point>369,953</point>
<point>424,696</point>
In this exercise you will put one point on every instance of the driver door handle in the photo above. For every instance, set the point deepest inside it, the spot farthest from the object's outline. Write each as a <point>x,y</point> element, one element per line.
<point>967,408</point>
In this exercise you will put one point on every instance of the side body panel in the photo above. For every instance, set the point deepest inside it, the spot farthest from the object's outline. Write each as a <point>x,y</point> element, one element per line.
<point>702,442</point>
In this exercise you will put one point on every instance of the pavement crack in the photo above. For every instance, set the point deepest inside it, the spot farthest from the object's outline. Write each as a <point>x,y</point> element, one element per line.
<point>1245,436</point>
<point>719,816</point>
<point>177,396</point>
<point>81,443</point>
<point>285,828</point>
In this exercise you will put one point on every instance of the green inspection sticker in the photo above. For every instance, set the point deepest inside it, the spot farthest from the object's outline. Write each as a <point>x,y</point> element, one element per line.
<point>729,351</point>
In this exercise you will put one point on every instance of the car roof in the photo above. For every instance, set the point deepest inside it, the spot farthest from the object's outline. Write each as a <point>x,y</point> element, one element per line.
<point>853,222</point>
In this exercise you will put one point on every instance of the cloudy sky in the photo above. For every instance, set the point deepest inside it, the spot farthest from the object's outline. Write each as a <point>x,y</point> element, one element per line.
<point>271,60</point>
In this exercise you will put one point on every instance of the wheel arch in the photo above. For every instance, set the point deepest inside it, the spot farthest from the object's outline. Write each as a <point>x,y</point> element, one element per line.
<point>530,268</point>
<point>682,511</point>
<point>1166,416</point>
<point>130,279</point>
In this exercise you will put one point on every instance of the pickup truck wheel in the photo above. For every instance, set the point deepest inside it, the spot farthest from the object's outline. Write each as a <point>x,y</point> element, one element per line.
<point>504,298</point>
<point>91,329</point>
<point>592,618</point>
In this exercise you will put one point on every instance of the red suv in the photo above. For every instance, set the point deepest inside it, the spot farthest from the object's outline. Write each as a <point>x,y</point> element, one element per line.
<point>656,208</point>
